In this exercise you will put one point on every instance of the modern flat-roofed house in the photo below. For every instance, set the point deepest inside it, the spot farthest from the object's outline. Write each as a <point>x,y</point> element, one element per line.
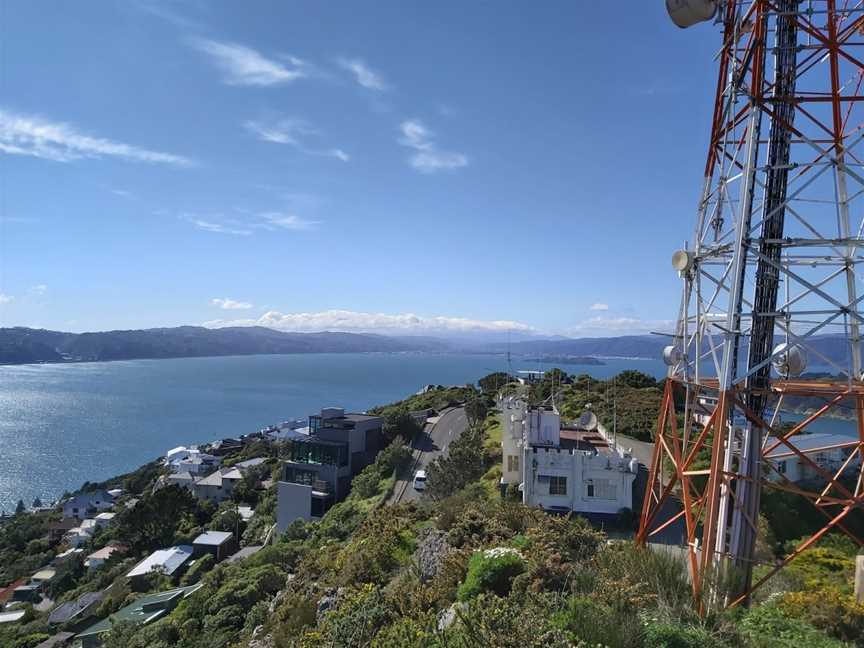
<point>319,466</point>
<point>76,611</point>
<point>220,544</point>
<point>142,611</point>
<point>167,561</point>
<point>830,452</point>
<point>84,504</point>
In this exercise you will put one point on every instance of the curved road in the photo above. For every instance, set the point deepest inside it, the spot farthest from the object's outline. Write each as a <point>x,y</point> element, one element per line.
<point>434,441</point>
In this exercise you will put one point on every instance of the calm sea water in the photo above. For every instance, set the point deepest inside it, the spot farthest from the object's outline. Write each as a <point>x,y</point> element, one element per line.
<point>62,425</point>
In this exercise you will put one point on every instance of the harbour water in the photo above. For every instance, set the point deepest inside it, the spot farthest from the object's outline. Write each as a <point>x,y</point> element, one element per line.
<point>62,425</point>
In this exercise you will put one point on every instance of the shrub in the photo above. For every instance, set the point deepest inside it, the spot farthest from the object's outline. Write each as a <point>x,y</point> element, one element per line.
<point>767,626</point>
<point>837,614</point>
<point>493,571</point>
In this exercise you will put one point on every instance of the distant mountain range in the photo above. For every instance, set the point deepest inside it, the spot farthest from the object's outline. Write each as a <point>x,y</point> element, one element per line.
<point>19,345</point>
<point>24,345</point>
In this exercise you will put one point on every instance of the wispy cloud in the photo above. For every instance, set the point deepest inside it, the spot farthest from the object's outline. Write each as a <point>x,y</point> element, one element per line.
<point>226,303</point>
<point>292,132</point>
<point>219,228</point>
<point>282,220</point>
<point>427,157</point>
<point>363,74</point>
<point>249,222</point>
<point>5,299</point>
<point>38,137</point>
<point>37,290</point>
<point>352,321</point>
<point>245,66</point>
<point>122,193</point>
<point>599,307</point>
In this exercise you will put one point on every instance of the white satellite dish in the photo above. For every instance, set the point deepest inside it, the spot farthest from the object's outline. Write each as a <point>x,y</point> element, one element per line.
<point>682,260</point>
<point>686,13</point>
<point>789,361</point>
<point>588,420</point>
<point>672,355</point>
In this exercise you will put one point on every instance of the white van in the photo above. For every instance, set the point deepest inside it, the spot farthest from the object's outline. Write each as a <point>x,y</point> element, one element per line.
<point>420,480</point>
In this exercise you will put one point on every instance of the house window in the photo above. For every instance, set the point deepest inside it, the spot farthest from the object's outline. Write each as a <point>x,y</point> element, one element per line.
<point>589,489</point>
<point>557,485</point>
<point>512,463</point>
<point>781,467</point>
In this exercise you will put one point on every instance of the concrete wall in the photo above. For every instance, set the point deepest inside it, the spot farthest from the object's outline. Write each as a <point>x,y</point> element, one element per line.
<point>595,483</point>
<point>294,501</point>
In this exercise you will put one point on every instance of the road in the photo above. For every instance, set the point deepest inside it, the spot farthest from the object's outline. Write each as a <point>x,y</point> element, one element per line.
<point>434,441</point>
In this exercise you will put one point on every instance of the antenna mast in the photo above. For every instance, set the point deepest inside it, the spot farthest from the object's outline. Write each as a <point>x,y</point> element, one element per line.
<point>782,178</point>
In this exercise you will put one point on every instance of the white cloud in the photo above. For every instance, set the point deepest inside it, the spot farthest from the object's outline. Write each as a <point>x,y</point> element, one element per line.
<point>602,326</point>
<point>428,158</point>
<point>245,66</point>
<point>352,321</point>
<point>122,193</point>
<point>292,132</point>
<point>219,228</point>
<point>230,304</point>
<point>599,307</point>
<point>37,137</point>
<point>363,74</point>
<point>37,290</point>
<point>281,220</point>
<point>5,299</point>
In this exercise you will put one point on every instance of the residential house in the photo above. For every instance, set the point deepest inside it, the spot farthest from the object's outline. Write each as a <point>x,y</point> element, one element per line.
<point>58,640</point>
<point>89,503</point>
<point>12,616</point>
<point>319,466</point>
<point>225,447</point>
<point>830,453</point>
<point>577,473</point>
<point>66,555</point>
<point>104,519</point>
<point>43,576</point>
<point>98,558</point>
<point>220,544</point>
<point>142,611</point>
<point>167,561</point>
<point>218,486</point>
<point>184,459</point>
<point>77,611</point>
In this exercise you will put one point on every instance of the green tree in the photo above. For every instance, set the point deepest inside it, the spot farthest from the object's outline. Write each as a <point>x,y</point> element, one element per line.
<point>476,410</point>
<point>19,507</point>
<point>490,384</point>
<point>465,462</point>
<point>37,503</point>
<point>153,522</point>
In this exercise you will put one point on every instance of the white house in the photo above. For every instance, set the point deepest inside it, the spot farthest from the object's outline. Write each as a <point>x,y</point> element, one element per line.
<point>190,459</point>
<point>166,561</point>
<point>828,451</point>
<point>562,477</point>
<point>81,505</point>
<point>104,519</point>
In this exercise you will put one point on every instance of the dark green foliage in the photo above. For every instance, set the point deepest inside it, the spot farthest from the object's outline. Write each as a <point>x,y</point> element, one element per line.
<point>23,547</point>
<point>69,572</point>
<point>636,379</point>
<point>476,410</point>
<point>19,507</point>
<point>767,626</point>
<point>466,461</point>
<point>196,572</point>
<point>37,503</point>
<point>492,571</point>
<point>491,384</point>
<point>158,518</point>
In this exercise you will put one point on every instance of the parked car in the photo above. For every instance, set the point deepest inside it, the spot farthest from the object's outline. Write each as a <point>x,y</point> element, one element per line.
<point>420,480</point>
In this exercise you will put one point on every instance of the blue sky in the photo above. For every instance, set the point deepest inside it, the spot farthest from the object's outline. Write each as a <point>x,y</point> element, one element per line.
<point>392,166</point>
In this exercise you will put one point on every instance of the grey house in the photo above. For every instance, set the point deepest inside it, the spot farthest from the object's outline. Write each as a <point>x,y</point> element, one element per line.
<point>319,466</point>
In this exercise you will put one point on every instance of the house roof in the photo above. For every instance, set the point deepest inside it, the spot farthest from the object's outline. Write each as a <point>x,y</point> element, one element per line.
<point>44,574</point>
<point>808,443</point>
<point>106,516</point>
<point>8,617</point>
<point>213,538</point>
<point>6,592</point>
<point>218,476</point>
<point>68,611</point>
<point>168,559</point>
<point>245,552</point>
<point>249,463</point>
<point>143,610</point>
<point>246,512</point>
<point>105,552</point>
<point>184,476</point>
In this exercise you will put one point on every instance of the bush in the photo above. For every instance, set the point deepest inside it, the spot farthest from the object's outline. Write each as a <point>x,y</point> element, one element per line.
<point>675,635</point>
<point>493,571</point>
<point>767,626</point>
